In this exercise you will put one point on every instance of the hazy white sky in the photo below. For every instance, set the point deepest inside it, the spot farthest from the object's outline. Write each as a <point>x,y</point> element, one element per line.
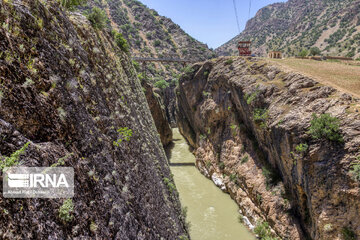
<point>210,21</point>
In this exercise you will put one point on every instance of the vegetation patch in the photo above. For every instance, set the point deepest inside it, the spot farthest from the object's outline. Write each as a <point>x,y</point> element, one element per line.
<point>71,4</point>
<point>262,229</point>
<point>348,234</point>
<point>124,134</point>
<point>222,166</point>
<point>355,170</point>
<point>162,84</point>
<point>171,187</point>
<point>14,157</point>
<point>233,177</point>
<point>325,127</point>
<point>271,176</point>
<point>66,211</point>
<point>245,159</point>
<point>233,129</point>
<point>97,18</point>
<point>261,116</point>
<point>229,62</point>
<point>251,97</point>
<point>188,69</point>
<point>122,43</point>
<point>206,94</point>
<point>301,148</point>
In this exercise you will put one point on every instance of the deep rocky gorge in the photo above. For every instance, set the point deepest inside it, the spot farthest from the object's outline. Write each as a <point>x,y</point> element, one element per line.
<point>74,95</point>
<point>245,120</point>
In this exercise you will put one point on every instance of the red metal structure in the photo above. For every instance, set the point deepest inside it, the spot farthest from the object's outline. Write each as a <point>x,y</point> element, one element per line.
<point>244,48</point>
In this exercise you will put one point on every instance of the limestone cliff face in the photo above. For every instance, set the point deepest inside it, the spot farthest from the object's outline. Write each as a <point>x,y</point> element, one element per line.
<point>67,88</point>
<point>245,119</point>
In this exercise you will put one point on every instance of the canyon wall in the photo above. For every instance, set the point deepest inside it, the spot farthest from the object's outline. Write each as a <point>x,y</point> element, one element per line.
<point>248,124</point>
<point>158,112</point>
<point>73,94</point>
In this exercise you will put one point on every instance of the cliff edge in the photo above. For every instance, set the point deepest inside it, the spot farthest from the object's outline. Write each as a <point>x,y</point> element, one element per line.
<point>285,147</point>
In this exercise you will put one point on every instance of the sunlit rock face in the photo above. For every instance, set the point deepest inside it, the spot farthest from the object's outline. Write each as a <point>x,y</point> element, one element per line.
<point>246,121</point>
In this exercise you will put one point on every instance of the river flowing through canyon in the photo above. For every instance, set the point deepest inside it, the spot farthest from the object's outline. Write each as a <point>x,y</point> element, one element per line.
<point>213,215</point>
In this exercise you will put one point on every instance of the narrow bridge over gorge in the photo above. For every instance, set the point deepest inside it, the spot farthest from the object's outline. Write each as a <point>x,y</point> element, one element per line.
<point>164,60</point>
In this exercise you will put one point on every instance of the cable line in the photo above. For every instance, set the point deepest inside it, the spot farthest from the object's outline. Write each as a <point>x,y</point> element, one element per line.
<point>237,17</point>
<point>249,9</point>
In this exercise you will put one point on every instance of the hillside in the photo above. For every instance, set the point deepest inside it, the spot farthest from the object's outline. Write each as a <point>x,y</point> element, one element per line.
<point>331,25</point>
<point>152,35</point>
<point>335,74</point>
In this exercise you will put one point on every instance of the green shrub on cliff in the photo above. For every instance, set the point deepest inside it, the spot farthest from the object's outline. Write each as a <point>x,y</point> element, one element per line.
<point>188,69</point>
<point>183,237</point>
<point>326,127</point>
<point>14,157</point>
<point>233,177</point>
<point>262,229</point>
<point>348,234</point>
<point>355,171</point>
<point>123,45</point>
<point>301,148</point>
<point>70,4</point>
<point>206,94</point>
<point>251,97</point>
<point>162,84</point>
<point>97,18</point>
<point>260,116</point>
<point>229,62</point>
<point>124,134</point>
<point>244,159</point>
<point>66,210</point>
<point>271,176</point>
<point>233,129</point>
<point>171,187</point>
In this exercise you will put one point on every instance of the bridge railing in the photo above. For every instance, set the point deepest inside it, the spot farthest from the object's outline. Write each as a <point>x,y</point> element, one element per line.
<point>139,59</point>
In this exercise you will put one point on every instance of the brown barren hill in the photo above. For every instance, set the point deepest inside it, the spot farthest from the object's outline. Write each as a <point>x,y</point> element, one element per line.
<point>336,74</point>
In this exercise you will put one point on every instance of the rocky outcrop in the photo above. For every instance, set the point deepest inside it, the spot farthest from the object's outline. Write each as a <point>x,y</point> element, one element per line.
<point>158,113</point>
<point>67,89</point>
<point>246,121</point>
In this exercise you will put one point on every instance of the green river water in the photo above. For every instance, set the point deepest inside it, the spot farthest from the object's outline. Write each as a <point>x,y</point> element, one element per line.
<point>213,214</point>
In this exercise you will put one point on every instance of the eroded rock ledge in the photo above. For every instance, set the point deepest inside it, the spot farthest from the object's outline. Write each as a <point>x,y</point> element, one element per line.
<point>244,120</point>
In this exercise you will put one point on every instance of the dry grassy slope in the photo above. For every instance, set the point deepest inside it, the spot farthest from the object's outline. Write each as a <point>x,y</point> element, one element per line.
<point>336,74</point>
<point>331,25</point>
<point>152,35</point>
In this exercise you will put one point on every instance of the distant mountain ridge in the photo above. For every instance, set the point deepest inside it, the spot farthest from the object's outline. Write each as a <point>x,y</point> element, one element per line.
<point>152,35</point>
<point>331,25</point>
